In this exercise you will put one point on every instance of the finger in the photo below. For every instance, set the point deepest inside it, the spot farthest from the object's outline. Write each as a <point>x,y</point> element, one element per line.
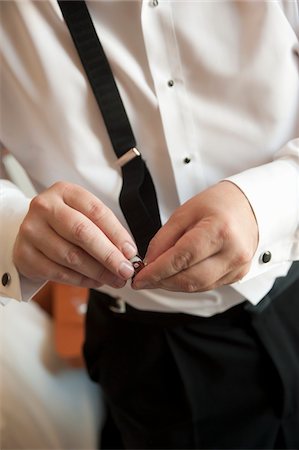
<point>165,238</point>
<point>195,246</point>
<point>42,269</point>
<point>68,255</point>
<point>76,228</point>
<point>91,207</point>
<point>193,279</point>
<point>25,251</point>
<point>209,274</point>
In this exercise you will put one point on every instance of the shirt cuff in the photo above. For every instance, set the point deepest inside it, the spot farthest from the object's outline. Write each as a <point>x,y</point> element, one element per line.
<point>273,192</point>
<point>13,208</point>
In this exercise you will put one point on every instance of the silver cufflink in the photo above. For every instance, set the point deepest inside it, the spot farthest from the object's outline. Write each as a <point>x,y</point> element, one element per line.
<point>137,263</point>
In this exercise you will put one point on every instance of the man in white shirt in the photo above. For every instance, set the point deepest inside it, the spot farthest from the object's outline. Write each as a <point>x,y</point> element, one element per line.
<point>211,90</point>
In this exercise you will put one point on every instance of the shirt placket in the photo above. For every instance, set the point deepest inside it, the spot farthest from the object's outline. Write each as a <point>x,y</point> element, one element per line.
<point>172,95</point>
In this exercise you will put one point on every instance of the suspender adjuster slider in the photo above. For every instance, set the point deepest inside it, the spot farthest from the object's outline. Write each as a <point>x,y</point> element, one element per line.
<point>127,157</point>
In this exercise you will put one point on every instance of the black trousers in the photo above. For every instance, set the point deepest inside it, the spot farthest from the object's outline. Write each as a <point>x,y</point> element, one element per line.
<point>174,381</point>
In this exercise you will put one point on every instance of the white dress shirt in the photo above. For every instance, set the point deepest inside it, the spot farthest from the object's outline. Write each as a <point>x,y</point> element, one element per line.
<point>214,82</point>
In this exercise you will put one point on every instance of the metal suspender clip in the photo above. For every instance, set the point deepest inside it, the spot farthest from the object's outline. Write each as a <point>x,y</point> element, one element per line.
<point>127,157</point>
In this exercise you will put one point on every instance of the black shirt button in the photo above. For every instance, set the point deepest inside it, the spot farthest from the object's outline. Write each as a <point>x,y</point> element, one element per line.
<point>5,279</point>
<point>170,83</point>
<point>266,257</point>
<point>186,160</point>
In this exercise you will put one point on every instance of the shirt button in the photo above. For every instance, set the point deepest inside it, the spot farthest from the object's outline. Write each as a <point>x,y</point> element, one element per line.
<point>5,279</point>
<point>170,83</point>
<point>186,160</point>
<point>154,3</point>
<point>266,257</point>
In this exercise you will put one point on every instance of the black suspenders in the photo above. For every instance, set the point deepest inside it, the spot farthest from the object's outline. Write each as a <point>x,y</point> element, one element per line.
<point>137,198</point>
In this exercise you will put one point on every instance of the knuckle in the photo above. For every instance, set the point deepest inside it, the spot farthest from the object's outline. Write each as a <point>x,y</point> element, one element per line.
<point>225,231</point>
<point>26,228</point>
<point>40,204</point>
<point>61,276</point>
<point>109,258</point>
<point>60,186</point>
<point>242,258</point>
<point>188,285</point>
<point>181,261</point>
<point>80,231</point>
<point>73,257</point>
<point>97,211</point>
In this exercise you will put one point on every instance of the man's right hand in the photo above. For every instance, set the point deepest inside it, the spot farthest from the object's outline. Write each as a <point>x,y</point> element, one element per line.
<point>70,236</point>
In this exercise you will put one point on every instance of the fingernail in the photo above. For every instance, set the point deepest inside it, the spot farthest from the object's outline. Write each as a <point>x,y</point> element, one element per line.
<point>126,270</point>
<point>129,250</point>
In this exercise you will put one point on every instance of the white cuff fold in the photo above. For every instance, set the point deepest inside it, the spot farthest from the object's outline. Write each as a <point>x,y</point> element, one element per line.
<point>273,192</point>
<point>13,208</point>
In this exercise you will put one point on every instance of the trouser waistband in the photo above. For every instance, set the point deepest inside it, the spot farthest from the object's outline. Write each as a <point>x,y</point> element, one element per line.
<point>123,311</point>
<point>239,313</point>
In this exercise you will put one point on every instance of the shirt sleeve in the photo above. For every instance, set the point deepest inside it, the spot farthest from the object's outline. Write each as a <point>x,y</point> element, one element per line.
<point>273,192</point>
<point>13,208</point>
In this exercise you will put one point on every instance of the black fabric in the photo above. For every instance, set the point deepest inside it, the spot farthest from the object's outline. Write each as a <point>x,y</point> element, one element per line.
<point>139,204</point>
<point>276,323</point>
<point>138,199</point>
<point>229,381</point>
<point>99,73</point>
<point>110,437</point>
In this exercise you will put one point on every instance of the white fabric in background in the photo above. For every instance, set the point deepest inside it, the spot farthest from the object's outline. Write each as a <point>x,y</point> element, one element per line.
<point>43,403</point>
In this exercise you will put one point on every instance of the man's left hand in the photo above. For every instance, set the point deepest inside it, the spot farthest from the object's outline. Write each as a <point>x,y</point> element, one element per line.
<point>208,242</point>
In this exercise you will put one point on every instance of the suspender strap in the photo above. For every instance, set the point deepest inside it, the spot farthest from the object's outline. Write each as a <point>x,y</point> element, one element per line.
<point>137,199</point>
